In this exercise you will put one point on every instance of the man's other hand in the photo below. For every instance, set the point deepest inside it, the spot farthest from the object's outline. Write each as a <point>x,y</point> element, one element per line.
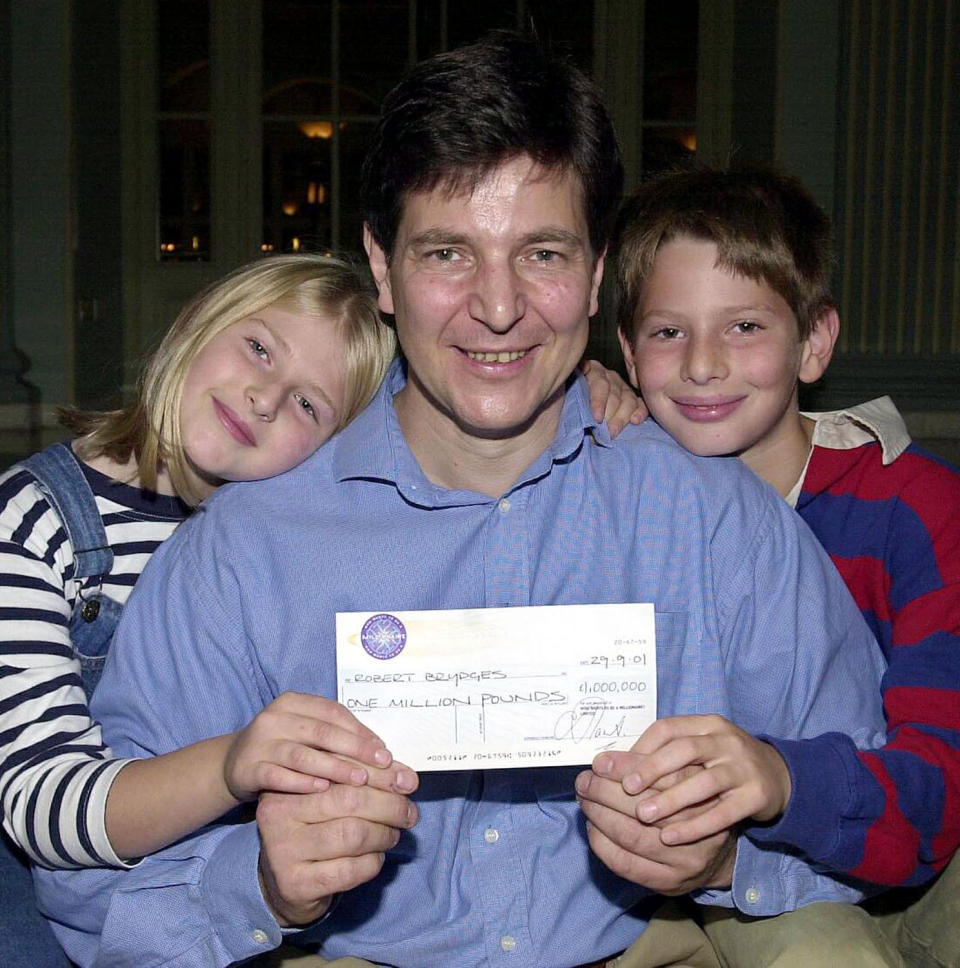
<point>635,850</point>
<point>317,845</point>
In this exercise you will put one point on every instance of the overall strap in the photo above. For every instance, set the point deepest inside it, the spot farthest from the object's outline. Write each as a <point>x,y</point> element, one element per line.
<point>61,479</point>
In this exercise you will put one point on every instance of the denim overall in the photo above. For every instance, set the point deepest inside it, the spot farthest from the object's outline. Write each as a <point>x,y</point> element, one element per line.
<point>26,940</point>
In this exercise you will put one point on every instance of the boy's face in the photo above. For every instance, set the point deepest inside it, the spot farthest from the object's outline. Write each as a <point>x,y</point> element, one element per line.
<point>717,356</point>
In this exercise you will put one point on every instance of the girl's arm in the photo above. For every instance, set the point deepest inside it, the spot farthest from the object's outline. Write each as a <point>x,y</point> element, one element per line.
<point>297,744</point>
<point>54,766</point>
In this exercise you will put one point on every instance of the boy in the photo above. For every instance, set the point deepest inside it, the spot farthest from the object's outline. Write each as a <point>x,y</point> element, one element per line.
<point>723,307</point>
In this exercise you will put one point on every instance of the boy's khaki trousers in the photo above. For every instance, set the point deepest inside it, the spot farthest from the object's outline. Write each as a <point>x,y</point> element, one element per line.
<point>910,928</point>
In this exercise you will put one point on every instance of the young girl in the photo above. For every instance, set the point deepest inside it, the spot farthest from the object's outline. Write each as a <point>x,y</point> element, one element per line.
<point>255,374</point>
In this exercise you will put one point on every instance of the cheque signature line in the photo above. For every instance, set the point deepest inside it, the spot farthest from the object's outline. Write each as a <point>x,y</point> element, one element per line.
<point>580,724</point>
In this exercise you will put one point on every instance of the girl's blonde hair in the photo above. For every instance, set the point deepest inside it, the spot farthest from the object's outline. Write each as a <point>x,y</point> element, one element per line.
<point>313,285</point>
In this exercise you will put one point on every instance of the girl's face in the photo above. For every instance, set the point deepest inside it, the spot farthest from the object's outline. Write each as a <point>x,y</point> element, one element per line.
<point>262,395</point>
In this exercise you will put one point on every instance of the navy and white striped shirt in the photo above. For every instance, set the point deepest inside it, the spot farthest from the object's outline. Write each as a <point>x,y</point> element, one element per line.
<point>55,770</point>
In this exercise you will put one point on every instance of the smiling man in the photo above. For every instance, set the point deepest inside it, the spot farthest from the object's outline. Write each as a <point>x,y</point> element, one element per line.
<point>492,287</point>
<point>477,478</point>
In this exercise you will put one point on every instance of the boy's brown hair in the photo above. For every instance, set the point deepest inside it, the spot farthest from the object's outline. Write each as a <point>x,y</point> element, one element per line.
<point>764,224</point>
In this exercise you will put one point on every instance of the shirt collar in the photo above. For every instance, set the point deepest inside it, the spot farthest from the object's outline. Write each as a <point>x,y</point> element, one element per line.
<point>878,420</point>
<point>373,446</point>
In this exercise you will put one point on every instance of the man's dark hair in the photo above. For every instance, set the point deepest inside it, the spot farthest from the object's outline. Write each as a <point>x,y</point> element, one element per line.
<point>457,116</point>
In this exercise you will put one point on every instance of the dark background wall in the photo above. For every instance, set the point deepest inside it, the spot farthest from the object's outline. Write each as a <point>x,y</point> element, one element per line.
<point>857,97</point>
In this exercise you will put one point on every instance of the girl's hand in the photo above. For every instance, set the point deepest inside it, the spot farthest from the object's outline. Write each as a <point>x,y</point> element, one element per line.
<point>741,777</point>
<point>301,744</point>
<point>611,399</point>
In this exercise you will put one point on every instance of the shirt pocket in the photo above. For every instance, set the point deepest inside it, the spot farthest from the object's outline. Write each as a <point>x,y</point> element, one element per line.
<point>678,665</point>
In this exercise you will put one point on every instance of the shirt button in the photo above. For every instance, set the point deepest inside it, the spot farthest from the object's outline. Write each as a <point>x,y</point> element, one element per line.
<point>260,937</point>
<point>504,506</point>
<point>752,895</point>
<point>491,835</point>
<point>508,942</point>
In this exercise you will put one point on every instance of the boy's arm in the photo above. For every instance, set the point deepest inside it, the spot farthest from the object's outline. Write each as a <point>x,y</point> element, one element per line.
<point>612,399</point>
<point>298,744</point>
<point>892,815</point>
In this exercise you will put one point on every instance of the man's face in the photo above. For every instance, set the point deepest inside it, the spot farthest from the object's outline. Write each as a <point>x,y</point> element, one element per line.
<point>492,291</point>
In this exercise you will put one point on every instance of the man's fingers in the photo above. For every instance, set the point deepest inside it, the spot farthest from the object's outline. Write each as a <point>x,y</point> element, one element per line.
<point>633,867</point>
<point>301,893</point>
<point>304,864</point>
<point>341,874</point>
<point>636,852</point>
<point>606,792</point>
<point>622,828</point>
<point>363,803</point>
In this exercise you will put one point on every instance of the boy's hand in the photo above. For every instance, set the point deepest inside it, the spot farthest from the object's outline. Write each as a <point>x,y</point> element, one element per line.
<point>301,744</point>
<point>742,777</point>
<point>611,399</point>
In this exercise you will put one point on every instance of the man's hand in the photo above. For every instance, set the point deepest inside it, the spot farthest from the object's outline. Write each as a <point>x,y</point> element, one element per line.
<point>316,845</point>
<point>742,777</point>
<point>634,849</point>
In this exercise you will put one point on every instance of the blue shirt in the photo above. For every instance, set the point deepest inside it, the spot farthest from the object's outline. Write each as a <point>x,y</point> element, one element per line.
<point>752,622</point>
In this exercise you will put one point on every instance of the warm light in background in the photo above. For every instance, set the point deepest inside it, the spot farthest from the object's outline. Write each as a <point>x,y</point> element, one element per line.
<point>317,129</point>
<point>316,194</point>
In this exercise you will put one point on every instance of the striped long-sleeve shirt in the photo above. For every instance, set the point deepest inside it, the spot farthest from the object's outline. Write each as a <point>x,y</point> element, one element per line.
<point>55,771</point>
<point>888,514</point>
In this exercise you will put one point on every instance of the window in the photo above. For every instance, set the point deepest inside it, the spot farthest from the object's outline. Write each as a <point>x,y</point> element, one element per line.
<point>322,69</point>
<point>183,129</point>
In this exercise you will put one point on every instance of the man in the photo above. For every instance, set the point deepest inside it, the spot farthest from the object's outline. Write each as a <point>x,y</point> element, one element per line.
<point>478,477</point>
